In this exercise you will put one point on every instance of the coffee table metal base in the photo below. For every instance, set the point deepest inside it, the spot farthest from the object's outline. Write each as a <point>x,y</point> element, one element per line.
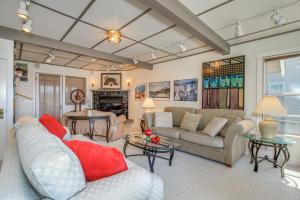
<point>151,155</point>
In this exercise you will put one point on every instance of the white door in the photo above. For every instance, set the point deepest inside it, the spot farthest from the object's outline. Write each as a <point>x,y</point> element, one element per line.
<point>2,106</point>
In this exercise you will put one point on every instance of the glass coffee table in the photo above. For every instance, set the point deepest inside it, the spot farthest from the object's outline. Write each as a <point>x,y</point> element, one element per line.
<point>151,150</point>
<point>280,144</point>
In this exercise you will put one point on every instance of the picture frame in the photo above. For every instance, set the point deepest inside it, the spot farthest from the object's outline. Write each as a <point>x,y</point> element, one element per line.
<point>140,92</point>
<point>160,90</point>
<point>111,81</point>
<point>21,73</point>
<point>186,90</point>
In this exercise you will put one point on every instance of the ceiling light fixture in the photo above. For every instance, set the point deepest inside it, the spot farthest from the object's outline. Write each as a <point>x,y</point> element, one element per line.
<point>22,11</point>
<point>278,19</point>
<point>51,57</point>
<point>114,36</point>
<point>27,26</point>
<point>239,29</point>
<point>153,56</point>
<point>93,59</point>
<point>135,61</point>
<point>182,47</point>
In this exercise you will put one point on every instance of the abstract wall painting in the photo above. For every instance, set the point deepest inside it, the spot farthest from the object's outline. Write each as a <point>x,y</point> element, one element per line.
<point>223,83</point>
<point>186,90</point>
<point>160,90</point>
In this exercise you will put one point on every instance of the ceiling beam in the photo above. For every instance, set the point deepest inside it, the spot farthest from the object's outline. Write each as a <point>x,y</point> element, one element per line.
<point>184,18</point>
<point>12,34</point>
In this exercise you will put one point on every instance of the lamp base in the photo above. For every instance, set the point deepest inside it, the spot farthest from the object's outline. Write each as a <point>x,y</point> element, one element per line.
<point>268,128</point>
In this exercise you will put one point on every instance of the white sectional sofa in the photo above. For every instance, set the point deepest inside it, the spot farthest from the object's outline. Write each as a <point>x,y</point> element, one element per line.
<point>30,171</point>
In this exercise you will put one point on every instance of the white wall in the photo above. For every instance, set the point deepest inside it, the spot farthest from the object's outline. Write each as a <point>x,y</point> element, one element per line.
<point>6,53</point>
<point>191,67</point>
<point>27,107</point>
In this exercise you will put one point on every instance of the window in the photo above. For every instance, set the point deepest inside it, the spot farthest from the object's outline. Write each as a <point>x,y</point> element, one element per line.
<point>73,83</point>
<point>282,79</point>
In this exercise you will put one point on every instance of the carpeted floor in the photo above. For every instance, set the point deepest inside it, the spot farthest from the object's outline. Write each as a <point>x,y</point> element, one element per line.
<point>196,178</point>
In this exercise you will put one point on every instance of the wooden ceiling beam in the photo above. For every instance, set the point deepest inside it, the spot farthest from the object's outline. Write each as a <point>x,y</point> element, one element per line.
<point>184,18</point>
<point>12,34</point>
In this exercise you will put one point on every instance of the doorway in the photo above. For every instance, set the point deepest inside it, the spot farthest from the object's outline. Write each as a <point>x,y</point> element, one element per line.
<point>49,95</point>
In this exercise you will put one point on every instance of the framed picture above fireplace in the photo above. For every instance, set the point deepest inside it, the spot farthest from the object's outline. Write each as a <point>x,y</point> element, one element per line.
<point>111,81</point>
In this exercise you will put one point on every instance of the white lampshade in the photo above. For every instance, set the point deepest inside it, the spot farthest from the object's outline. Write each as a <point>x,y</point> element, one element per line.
<point>148,103</point>
<point>270,105</point>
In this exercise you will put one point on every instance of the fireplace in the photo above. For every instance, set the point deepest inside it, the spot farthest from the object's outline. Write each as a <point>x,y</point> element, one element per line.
<point>111,101</point>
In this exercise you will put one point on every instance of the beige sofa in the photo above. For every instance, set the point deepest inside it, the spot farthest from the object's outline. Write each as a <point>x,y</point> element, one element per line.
<point>226,149</point>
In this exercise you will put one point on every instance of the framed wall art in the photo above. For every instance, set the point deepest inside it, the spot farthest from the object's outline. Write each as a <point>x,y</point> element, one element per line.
<point>186,90</point>
<point>21,73</point>
<point>223,83</point>
<point>140,92</point>
<point>111,81</point>
<point>160,90</point>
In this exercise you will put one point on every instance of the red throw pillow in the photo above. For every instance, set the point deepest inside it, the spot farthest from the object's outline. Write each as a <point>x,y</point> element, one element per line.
<point>53,126</point>
<point>97,161</point>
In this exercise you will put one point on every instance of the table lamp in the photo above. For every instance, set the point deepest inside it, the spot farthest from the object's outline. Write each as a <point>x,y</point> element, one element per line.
<point>148,105</point>
<point>269,106</point>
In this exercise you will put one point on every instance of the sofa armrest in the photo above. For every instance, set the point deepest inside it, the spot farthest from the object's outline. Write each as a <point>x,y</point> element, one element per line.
<point>234,143</point>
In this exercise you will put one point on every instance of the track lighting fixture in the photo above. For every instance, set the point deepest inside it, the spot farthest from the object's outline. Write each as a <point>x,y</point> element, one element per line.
<point>278,19</point>
<point>182,47</point>
<point>51,57</point>
<point>239,29</point>
<point>26,27</point>
<point>22,11</point>
<point>153,56</point>
<point>135,61</point>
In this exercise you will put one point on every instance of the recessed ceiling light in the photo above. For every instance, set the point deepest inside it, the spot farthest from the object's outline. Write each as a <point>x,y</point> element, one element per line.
<point>93,59</point>
<point>27,26</point>
<point>22,11</point>
<point>114,36</point>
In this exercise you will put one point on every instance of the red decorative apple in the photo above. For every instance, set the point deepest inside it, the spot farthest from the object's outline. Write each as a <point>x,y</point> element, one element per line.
<point>155,139</point>
<point>148,132</point>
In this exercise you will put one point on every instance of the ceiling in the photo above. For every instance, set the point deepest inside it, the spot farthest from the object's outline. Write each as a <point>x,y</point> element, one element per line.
<point>85,22</point>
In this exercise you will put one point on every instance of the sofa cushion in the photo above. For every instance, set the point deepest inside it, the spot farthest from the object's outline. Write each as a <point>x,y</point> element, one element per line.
<point>231,120</point>
<point>215,126</point>
<point>163,119</point>
<point>53,126</point>
<point>50,166</point>
<point>97,161</point>
<point>169,132</point>
<point>178,113</point>
<point>209,114</point>
<point>202,139</point>
<point>190,121</point>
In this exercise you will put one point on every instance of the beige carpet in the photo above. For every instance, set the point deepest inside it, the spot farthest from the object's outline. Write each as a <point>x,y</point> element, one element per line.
<point>196,178</point>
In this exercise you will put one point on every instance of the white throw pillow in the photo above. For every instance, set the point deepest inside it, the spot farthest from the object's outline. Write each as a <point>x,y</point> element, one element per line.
<point>215,126</point>
<point>163,119</point>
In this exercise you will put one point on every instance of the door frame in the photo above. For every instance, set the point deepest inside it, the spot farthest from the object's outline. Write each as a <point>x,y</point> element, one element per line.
<point>3,96</point>
<point>37,93</point>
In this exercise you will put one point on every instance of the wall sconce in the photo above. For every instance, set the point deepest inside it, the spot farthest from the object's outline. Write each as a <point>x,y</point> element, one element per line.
<point>93,83</point>
<point>128,82</point>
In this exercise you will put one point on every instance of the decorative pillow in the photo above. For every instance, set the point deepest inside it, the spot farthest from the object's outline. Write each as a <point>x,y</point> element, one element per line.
<point>190,121</point>
<point>97,161</point>
<point>51,167</point>
<point>53,126</point>
<point>163,119</point>
<point>231,120</point>
<point>215,126</point>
